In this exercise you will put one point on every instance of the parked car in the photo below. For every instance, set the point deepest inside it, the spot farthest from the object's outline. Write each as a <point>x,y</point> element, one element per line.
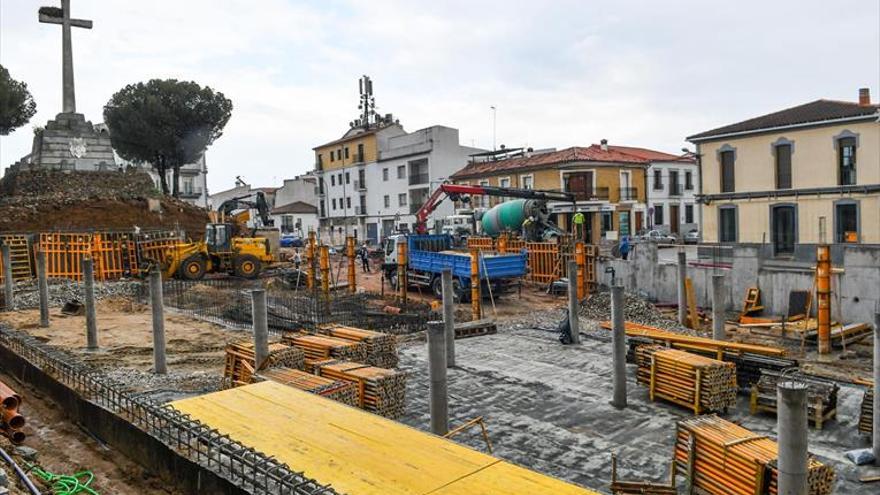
<point>692,237</point>
<point>291,240</point>
<point>658,236</point>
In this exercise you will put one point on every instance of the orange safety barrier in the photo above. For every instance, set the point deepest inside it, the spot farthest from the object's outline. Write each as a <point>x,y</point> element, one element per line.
<point>114,255</point>
<point>481,243</point>
<point>64,254</point>
<point>156,246</point>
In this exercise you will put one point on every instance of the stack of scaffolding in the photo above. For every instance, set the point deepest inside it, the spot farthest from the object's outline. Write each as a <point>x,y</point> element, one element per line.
<point>380,391</point>
<point>821,395</point>
<point>722,457</point>
<point>381,347</point>
<point>340,391</point>
<point>866,415</point>
<point>318,347</point>
<point>11,420</point>
<point>240,366</point>
<point>690,380</point>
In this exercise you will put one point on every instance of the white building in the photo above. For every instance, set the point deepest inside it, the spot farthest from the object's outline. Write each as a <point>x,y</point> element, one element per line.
<point>672,189</point>
<point>295,205</point>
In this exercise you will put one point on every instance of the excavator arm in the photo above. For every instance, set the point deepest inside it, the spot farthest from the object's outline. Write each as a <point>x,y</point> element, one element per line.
<point>456,191</point>
<point>258,203</point>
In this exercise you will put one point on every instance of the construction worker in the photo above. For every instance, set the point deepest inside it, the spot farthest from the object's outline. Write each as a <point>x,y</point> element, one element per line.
<point>527,227</point>
<point>624,247</point>
<point>363,252</point>
<point>297,258</point>
<point>578,225</point>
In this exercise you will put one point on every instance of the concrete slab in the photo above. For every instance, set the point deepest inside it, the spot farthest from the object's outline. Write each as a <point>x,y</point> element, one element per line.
<point>547,407</point>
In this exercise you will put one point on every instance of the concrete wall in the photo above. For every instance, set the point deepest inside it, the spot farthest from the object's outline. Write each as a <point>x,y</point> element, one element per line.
<point>854,299</point>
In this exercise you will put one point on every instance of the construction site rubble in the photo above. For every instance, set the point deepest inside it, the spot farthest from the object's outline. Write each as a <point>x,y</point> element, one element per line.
<point>636,309</point>
<point>62,291</point>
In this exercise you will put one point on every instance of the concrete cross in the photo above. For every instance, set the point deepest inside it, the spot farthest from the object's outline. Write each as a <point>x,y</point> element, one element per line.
<point>68,96</point>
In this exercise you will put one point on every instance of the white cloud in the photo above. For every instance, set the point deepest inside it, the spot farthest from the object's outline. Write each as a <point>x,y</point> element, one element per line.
<point>561,73</point>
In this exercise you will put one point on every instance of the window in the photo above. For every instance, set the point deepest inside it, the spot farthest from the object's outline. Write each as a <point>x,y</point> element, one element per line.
<point>783,166</point>
<point>727,171</point>
<point>727,224</point>
<point>527,181</point>
<point>348,202</point>
<point>332,156</point>
<point>334,203</point>
<point>401,199</point>
<point>347,178</point>
<point>688,213</point>
<point>658,214</point>
<point>385,174</point>
<point>401,171</point>
<point>674,186</point>
<point>346,152</point>
<point>418,172</point>
<point>689,180</point>
<point>332,180</point>
<point>783,228</point>
<point>339,178</point>
<point>360,155</point>
<point>320,160</point>
<point>846,161</point>
<point>607,221</point>
<point>846,221</point>
<point>658,179</point>
<point>387,199</point>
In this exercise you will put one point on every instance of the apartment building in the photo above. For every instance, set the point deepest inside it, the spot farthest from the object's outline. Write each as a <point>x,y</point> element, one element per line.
<point>673,185</point>
<point>794,178</point>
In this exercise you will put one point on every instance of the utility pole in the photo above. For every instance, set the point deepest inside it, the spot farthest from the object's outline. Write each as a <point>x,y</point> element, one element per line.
<point>494,121</point>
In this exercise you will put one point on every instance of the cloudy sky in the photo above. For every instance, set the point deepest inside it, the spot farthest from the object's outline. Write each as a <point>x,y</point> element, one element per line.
<point>561,73</point>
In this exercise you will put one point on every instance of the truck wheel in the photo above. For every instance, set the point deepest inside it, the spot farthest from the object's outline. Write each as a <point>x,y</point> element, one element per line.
<point>437,286</point>
<point>460,294</point>
<point>247,266</point>
<point>192,268</point>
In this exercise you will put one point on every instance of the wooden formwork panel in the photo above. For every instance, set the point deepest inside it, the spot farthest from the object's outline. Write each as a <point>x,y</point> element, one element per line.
<point>114,255</point>
<point>64,253</point>
<point>20,254</point>
<point>481,243</point>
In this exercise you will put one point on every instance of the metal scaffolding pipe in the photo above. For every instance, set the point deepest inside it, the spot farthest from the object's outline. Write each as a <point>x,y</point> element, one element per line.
<point>325,273</point>
<point>682,292</point>
<point>437,369</point>
<point>581,258</point>
<point>448,315</point>
<point>573,320</point>
<point>718,332</point>
<point>618,346</point>
<point>402,263</point>
<point>791,427</point>
<point>823,297</point>
<point>8,281</point>
<point>476,296</point>
<point>158,308</point>
<point>352,272</point>
<point>876,419</point>
<point>43,287</point>
<point>88,269</point>
<point>261,327</point>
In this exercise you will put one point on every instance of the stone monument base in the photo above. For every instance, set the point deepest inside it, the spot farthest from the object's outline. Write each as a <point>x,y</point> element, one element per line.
<point>70,142</point>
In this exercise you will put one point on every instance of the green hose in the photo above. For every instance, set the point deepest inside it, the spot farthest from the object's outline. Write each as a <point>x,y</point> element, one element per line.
<point>66,485</point>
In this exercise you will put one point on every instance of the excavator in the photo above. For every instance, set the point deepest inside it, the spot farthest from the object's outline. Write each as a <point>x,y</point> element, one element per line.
<point>227,246</point>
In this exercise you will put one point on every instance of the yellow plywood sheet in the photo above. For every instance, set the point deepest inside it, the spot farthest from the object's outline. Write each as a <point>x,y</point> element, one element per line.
<point>357,452</point>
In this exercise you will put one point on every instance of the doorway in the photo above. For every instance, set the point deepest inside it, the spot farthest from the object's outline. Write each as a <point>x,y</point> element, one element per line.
<point>674,219</point>
<point>783,229</point>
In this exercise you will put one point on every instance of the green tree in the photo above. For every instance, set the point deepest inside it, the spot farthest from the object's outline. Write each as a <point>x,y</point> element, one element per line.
<point>16,103</point>
<point>166,123</point>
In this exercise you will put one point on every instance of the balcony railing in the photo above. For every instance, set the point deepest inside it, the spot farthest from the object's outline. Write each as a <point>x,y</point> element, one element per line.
<point>360,210</point>
<point>629,194</point>
<point>358,158</point>
<point>360,185</point>
<point>592,194</point>
<point>191,194</point>
<point>675,189</point>
<point>417,179</point>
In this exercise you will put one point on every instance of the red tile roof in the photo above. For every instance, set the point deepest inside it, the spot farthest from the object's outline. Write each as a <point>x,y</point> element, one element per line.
<point>626,155</point>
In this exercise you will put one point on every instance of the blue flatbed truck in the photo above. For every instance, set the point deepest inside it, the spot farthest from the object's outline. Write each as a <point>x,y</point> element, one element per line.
<point>429,255</point>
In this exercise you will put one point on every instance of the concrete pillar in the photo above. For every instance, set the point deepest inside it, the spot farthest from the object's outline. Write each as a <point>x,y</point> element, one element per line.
<point>157,305</point>
<point>718,291</point>
<point>43,287</point>
<point>88,269</point>
<point>449,315</point>
<point>876,419</point>
<point>261,326</point>
<point>437,371</point>
<point>682,293</point>
<point>791,427</point>
<point>618,346</point>
<point>8,282</point>
<point>573,320</point>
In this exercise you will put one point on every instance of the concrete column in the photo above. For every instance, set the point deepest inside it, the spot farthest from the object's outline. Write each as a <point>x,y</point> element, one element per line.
<point>43,286</point>
<point>261,327</point>
<point>573,320</point>
<point>88,269</point>
<point>8,282</point>
<point>682,293</point>
<point>618,346</point>
<point>449,315</point>
<point>437,371</point>
<point>718,291</point>
<point>791,427</point>
<point>876,419</point>
<point>157,305</point>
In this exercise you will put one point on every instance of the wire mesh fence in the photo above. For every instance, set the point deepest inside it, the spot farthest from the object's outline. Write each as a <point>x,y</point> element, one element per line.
<point>243,466</point>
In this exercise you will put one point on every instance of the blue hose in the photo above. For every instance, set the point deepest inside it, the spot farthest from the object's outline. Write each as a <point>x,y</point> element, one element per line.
<point>21,474</point>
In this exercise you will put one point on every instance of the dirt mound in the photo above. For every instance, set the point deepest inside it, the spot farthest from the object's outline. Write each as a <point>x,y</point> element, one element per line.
<point>32,201</point>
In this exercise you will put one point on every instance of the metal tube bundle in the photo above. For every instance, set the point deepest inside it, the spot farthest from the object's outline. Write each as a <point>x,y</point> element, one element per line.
<point>381,348</point>
<point>380,391</point>
<point>240,361</point>
<point>11,420</point>
<point>690,380</point>
<point>340,391</point>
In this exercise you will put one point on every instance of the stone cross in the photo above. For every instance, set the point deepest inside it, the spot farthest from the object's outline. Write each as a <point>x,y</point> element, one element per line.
<point>68,96</point>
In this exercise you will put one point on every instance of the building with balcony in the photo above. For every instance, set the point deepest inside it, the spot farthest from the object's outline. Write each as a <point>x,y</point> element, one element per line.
<point>608,183</point>
<point>673,184</point>
<point>789,180</point>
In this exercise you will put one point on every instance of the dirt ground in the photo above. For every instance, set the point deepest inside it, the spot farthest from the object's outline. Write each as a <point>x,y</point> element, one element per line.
<point>64,448</point>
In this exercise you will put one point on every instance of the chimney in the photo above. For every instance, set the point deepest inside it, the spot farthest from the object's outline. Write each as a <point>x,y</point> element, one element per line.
<point>864,97</point>
<point>604,144</point>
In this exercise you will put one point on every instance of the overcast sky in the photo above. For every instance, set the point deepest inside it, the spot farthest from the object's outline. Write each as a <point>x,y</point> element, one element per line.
<point>561,73</point>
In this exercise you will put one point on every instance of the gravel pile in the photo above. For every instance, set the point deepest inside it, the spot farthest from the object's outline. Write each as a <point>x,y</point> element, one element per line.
<point>62,290</point>
<point>174,384</point>
<point>598,307</point>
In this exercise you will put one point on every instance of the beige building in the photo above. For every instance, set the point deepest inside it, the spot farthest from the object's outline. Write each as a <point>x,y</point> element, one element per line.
<point>794,178</point>
<point>608,182</point>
